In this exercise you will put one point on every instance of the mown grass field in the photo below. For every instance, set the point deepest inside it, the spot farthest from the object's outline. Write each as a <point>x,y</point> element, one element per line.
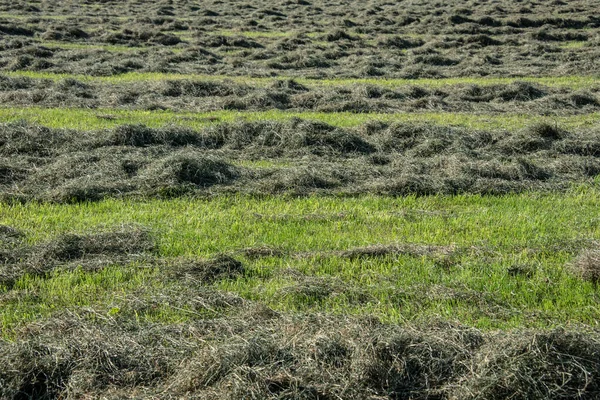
<point>572,82</point>
<point>85,119</point>
<point>493,262</point>
<point>299,200</point>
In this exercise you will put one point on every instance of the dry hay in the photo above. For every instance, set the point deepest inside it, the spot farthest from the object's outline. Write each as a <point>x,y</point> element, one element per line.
<point>308,157</point>
<point>208,271</point>
<point>261,354</point>
<point>93,251</point>
<point>587,265</point>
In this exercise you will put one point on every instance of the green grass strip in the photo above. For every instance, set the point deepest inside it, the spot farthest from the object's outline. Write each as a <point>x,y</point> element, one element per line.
<point>88,119</point>
<point>540,232</point>
<point>62,17</point>
<point>90,46</point>
<point>574,82</point>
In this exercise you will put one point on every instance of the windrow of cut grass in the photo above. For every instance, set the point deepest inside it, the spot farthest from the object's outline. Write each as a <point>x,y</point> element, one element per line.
<point>294,156</point>
<point>87,46</point>
<point>257,353</point>
<point>425,42</point>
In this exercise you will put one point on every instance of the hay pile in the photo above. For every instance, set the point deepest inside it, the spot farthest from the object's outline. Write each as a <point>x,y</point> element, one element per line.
<point>300,157</point>
<point>260,354</point>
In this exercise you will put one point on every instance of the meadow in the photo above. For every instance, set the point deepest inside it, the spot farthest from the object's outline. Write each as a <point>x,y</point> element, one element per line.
<point>299,200</point>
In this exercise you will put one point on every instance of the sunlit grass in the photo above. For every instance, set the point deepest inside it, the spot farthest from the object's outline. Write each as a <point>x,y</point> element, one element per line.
<point>60,17</point>
<point>543,232</point>
<point>90,119</point>
<point>109,290</point>
<point>90,46</point>
<point>573,45</point>
<point>574,82</point>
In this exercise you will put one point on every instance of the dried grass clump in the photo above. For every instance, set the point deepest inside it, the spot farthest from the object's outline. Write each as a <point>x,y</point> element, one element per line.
<point>208,271</point>
<point>419,364</point>
<point>303,289</point>
<point>182,87</point>
<point>10,174</point>
<point>302,180</point>
<point>293,137</point>
<point>414,250</point>
<point>8,232</point>
<point>11,29</point>
<point>587,265</point>
<point>398,42</point>
<point>127,241</point>
<point>410,184</point>
<point>524,143</point>
<point>337,35</point>
<point>83,190</point>
<point>142,136</point>
<point>31,140</point>
<point>588,146</point>
<point>317,357</point>
<point>68,357</point>
<point>137,38</point>
<point>537,365</point>
<point>96,250</point>
<point>10,247</point>
<point>583,99</point>
<point>290,86</point>
<point>521,91</point>
<point>546,131</point>
<point>254,253</point>
<point>187,169</point>
<point>321,137</point>
<point>523,169</point>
